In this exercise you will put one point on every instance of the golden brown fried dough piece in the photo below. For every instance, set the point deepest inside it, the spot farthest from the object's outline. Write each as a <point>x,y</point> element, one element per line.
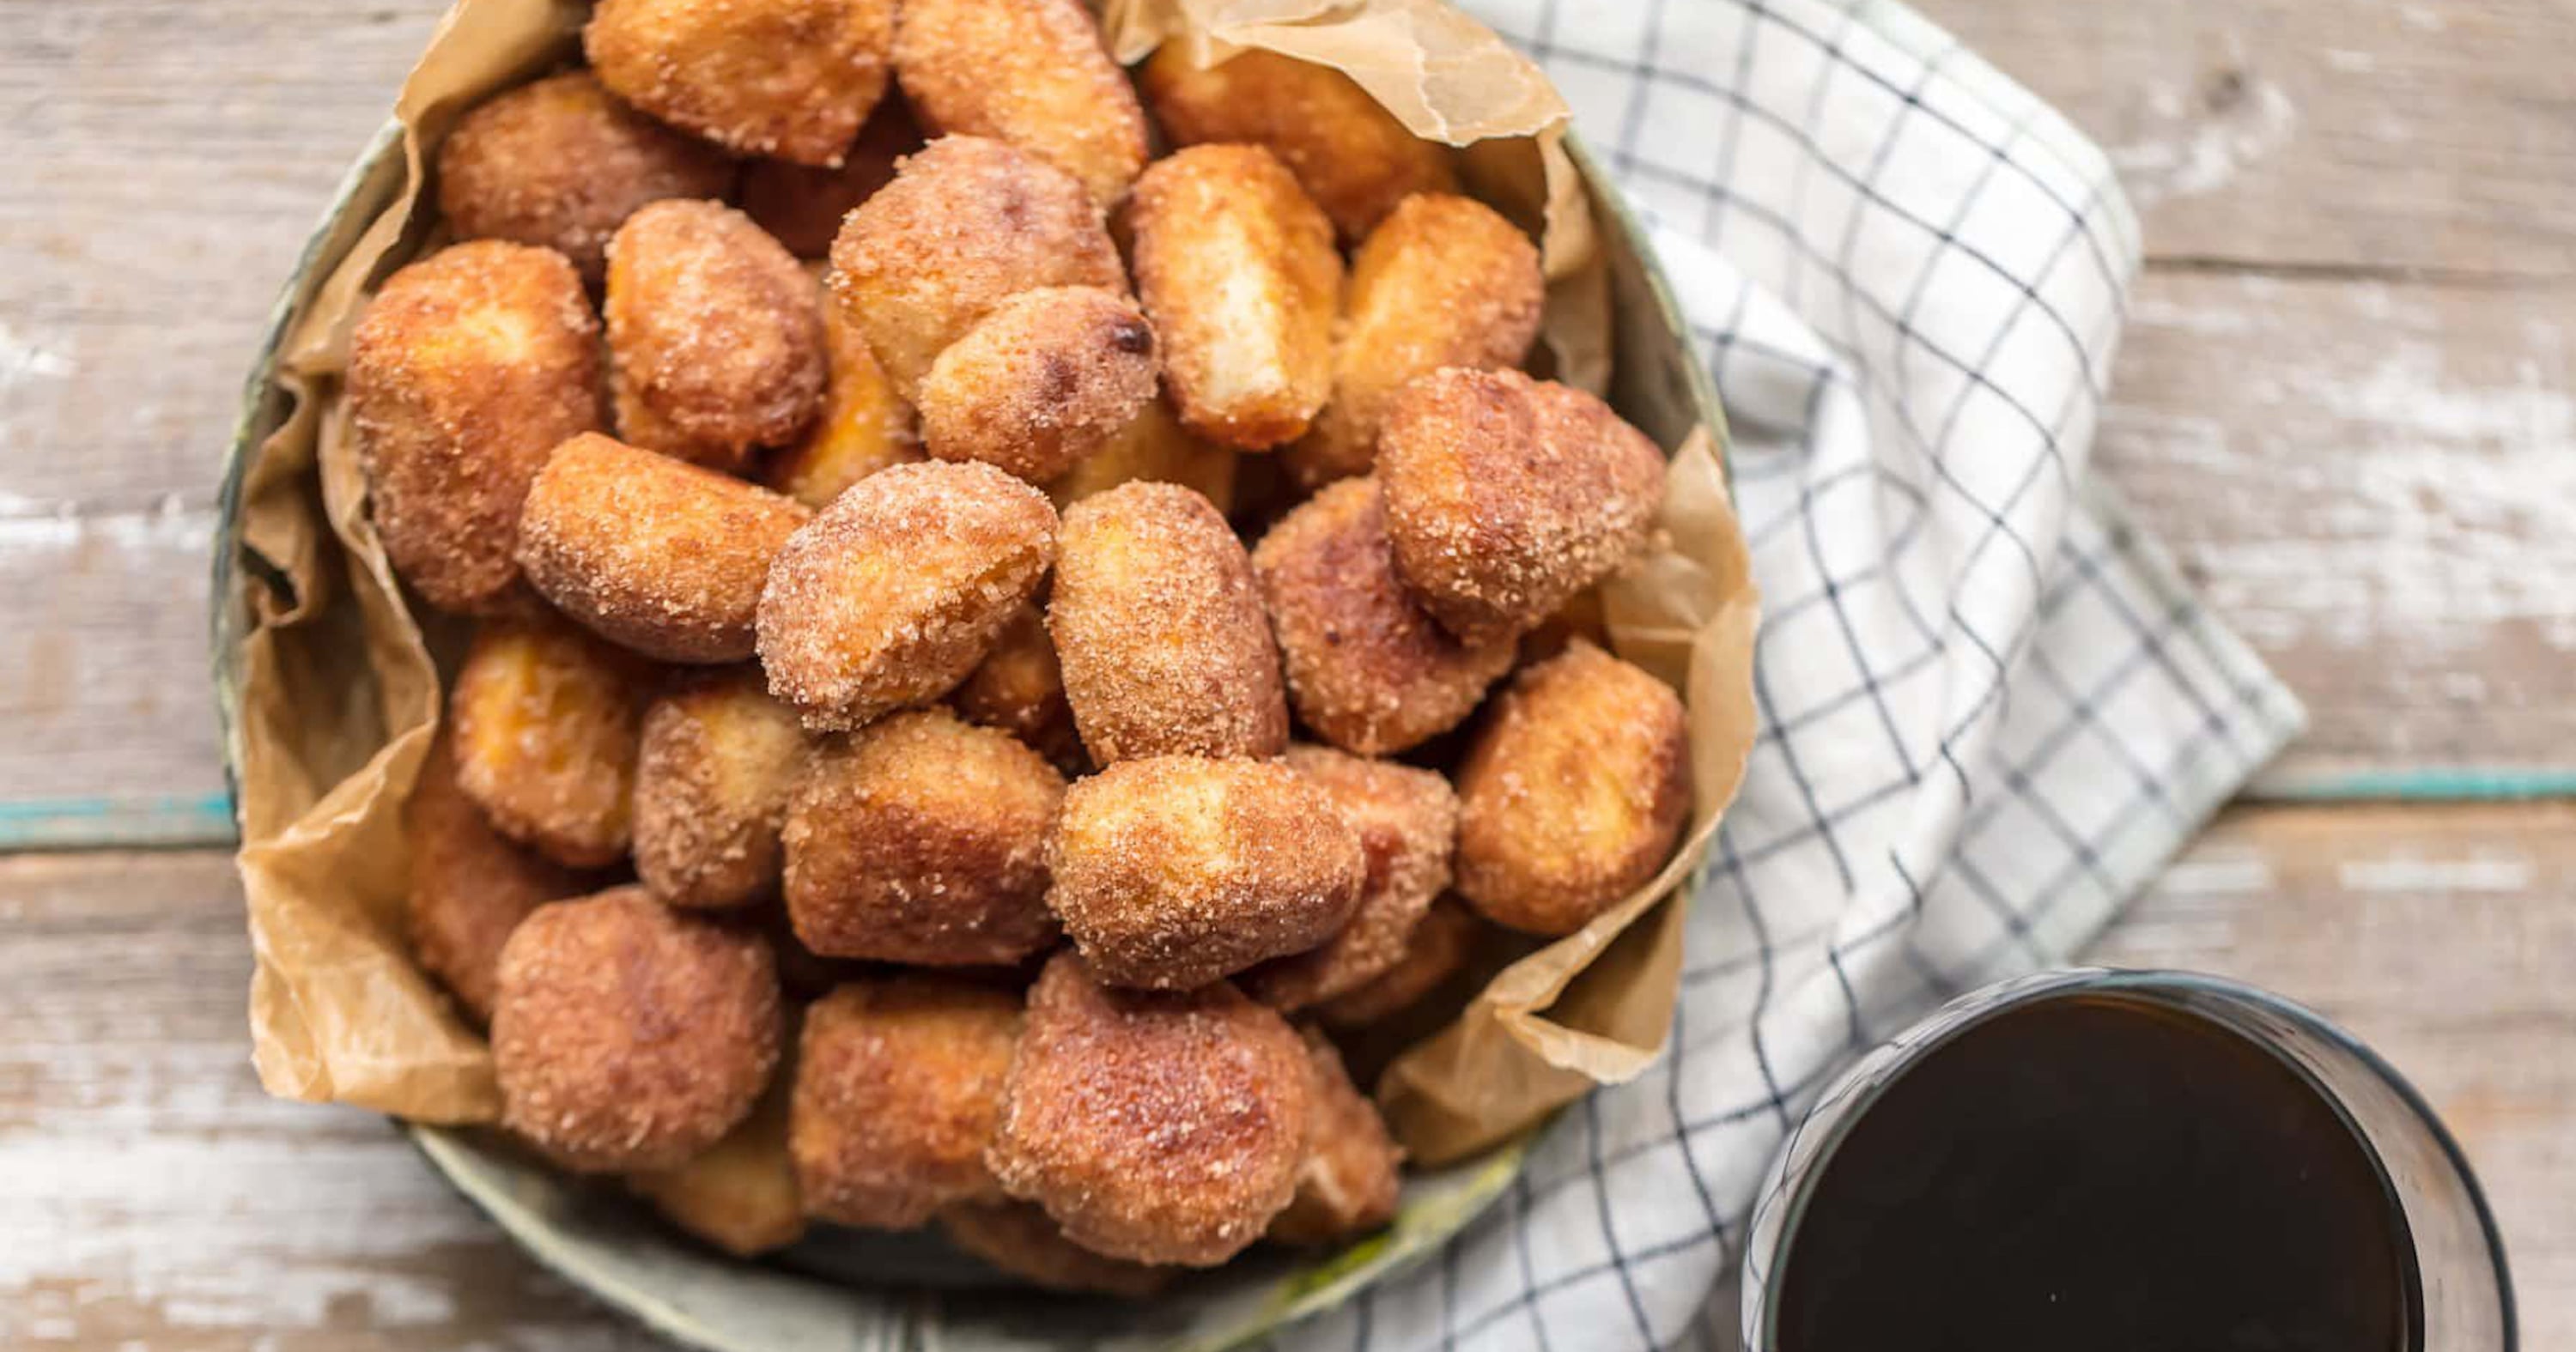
<point>1437,950</point>
<point>1349,152</point>
<point>713,328</point>
<point>789,78</point>
<point>1505,496</point>
<point>1173,871</point>
<point>628,1037</point>
<point>711,784</point>
<point>1348,1184</point>
<point>803,205</point>
<point>547,722</point>
<point>967,224</point>
<point>1154,446</point>
<point>1047,379</point>
<point>893,593</point>
<point>898,1089</point>
<point>740,1195</point>
<point>1239,273</point>
<point>562,162</point>
<point>1159,626</point>
<point>864,426</point>
<point>1155,1127</point>
<point>1443,282</point>
<point>1368,668</point>
<point>922,839</point>
<point>1407,820</point>
<point>1574,793</point>
<point>1030,72</point>
<point>467,368</point>
<point>1019,688</point>
<point>470,886</point>
<point>662,557</point>
<point>1020,1238</point>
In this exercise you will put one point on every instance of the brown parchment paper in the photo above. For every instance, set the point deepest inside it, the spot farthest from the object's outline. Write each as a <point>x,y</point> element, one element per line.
<point>339,689</point>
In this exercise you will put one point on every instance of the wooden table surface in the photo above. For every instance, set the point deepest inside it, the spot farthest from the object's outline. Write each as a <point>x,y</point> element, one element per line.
<point>2347,400</point>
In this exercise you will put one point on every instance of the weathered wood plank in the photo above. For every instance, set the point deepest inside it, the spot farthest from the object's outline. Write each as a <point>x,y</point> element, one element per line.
<point>149,1191</point>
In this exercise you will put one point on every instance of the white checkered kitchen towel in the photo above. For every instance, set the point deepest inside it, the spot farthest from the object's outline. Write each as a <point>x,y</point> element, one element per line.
<point>1990,709</point>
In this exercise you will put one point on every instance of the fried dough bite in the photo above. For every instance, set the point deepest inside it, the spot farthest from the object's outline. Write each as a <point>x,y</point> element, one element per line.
<point>803,205</point>
<point>1019,688</point>
<point>1505,496</point>
<point>967,224</point>
<point>1574,793</point>
<point>1154,1127</point>
<point>718,756</point>
<point>864,426</point>
<point>1020,1238</point>
<point>1152,446</point>
<point>714,328</point>
<point>1349,1182</point>
<point>470,886</point>
<point>893,593</point>
<point>659,556</point>
<point>786,78</point>
<point>1239,273</point>
<point>898,1089</point>
<point>548,721</point>
<point>467,368</point>
<point>629,1037</point>
<point>1159,627</point>
<point>740,1193</point>
<point>1407,820</point>
<point>1444,281</point>
<point>1348,151</point>
<point>1045,381</point>
<point>1437,950</point>
<point>1030,72</point>
<point>562,162</point>
<point>922,839</point>
<point>1173,871</point>
<point>1368,669</point>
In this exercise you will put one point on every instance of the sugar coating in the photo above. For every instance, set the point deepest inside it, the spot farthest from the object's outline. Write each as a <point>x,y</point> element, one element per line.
<point>1349,1182</point>
<point>1030,72</point>
<point>1020,1238</point>
<point>469,886</point>
<point>1161,1128</point>
<point>713,327</point>
<point>1437,950</point>
<point>548,721</point>
<point>789,78</point>
<point>1407,820</point>
<point>1040,384</point>
<point>1153,446</point>
<point>898,1089</point>
<point>716,760</point>
<point>863,427</point>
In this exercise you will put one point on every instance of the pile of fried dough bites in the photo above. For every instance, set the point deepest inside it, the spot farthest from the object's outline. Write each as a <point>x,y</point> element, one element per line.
<point>895,779</point>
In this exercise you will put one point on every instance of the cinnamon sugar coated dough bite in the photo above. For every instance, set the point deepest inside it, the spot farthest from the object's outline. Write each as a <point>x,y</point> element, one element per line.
<point>863,427</point>
<point>967,224</point>
<point>803,205</point>
<point>1158,624</point>
<point>469,886</point>
<point>467,368</point>
<point>1155,447</point>
<point>627,1036</point>
<point>898,1088</point>
<point>714,328</point>
<point>1043,382</point>
<point>1154,1127</point>
<point>922,839</point>
<point>1506,496</point>
<point>1444,281</point>
<point>788,78</point>
<point>1030,72</point>
<point>1349,1183</point>
<point>562,162</point>
<point>1020,1238</point>
<point>547,722</point>
<point>1238,270</point>
<point>1353,157</point>
<point>1019,688</point>
<point>1437,950</point>
<point>740,1193</point>
<point>1574,794</point>
<point>893,593</point>
<point>1368,669</point>
<point>1407,820</point>
<point>711,779</point>
<point>650,553</point>
<point>1173,871</point>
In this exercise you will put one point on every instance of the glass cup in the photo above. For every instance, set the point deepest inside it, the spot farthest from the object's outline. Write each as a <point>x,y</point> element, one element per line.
<point>2466,1298</point>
